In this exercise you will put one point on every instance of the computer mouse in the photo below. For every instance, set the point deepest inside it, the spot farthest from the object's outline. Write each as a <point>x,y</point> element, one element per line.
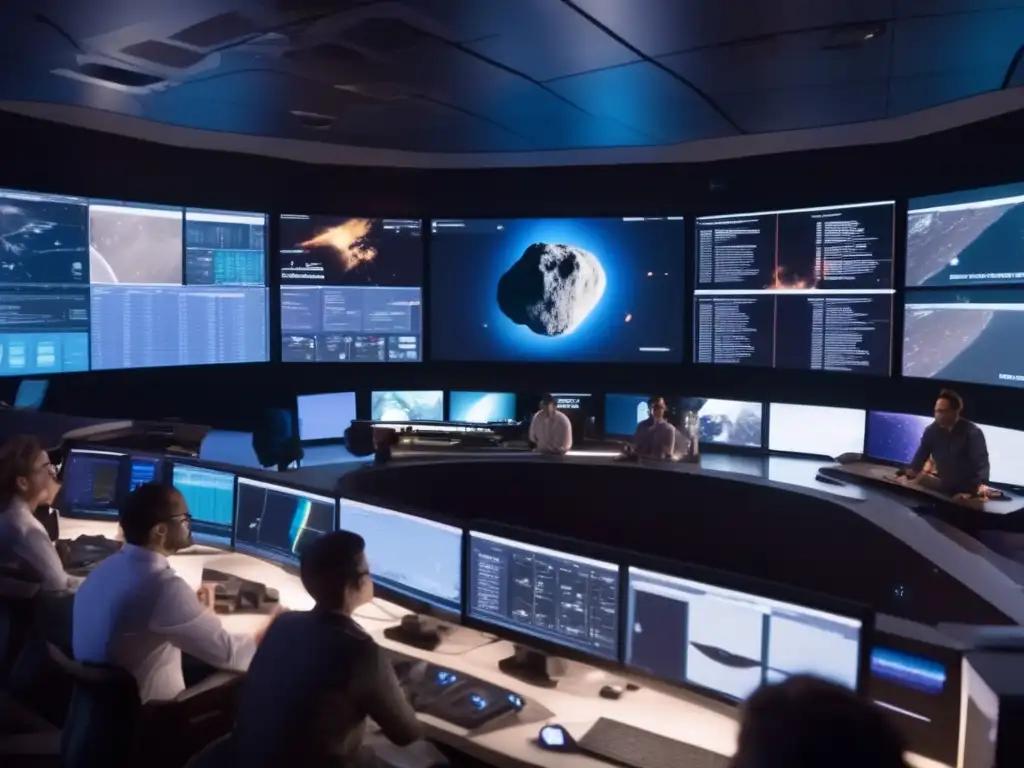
<point>613,692</point>
<point>556,739</point>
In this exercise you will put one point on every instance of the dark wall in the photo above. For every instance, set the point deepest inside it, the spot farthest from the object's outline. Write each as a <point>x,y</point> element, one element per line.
<point>54,158</point>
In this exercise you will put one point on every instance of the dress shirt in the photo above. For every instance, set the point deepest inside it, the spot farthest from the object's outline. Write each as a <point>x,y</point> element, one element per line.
<point>960,455</point>
<point>135,612</point>
<point>551,434</point>
<point>25,543</point>
<point>655,439</point>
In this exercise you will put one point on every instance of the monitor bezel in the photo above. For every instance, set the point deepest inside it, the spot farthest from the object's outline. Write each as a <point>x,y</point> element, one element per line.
<point>340,439</point>
<point>569,546</point>
<point>63,505</point>
<point>234,499</point>
<point>754,586</point>
<point>401,599</point>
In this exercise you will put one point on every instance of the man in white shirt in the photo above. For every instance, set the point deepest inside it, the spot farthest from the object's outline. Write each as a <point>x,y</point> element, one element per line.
<point>29,480</point>
<point>655,437</point>
<point>550,429</point>
<point>135,612</point>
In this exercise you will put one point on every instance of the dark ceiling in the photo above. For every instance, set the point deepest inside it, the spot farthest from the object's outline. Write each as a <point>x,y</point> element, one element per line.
<point>508,75</point>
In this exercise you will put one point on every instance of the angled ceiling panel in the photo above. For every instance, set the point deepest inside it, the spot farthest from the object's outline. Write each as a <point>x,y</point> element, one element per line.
<point>911,94</point>
<point>978,42</point>
<point>905,8</point>
<point>811,107</point>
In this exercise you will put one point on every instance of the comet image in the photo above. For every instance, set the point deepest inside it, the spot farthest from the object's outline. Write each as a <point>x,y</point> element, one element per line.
<point>349,241</point>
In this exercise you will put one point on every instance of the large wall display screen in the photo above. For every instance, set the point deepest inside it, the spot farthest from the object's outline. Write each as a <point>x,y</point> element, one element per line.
<point>110,285</point>
<point>565,290</point>
<point>965,287</point>
<point>808,289</point>
<point>351,289</point>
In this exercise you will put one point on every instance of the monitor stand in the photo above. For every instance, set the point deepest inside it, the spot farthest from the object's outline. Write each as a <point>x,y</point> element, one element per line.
<point>417,631</point>
<point>533,667</point>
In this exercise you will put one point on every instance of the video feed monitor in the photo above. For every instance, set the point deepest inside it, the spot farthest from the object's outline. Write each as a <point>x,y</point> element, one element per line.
<point>325,416</point>
<point>730,642</point>
<point>413,558</point>
<point>210,496</point>
<point>623,413</point>
<point>565,290</point>
<point>278,523</point>
<point>31,393</point>
<point>400,406</point>
<point>556,597</point>
<point>91,483</point>
<point>808,289</point>
<point>734,423</point>
<point>894,437</point>
<point>351,289</point>
<point>815,429</point>
<point>481,407</point>
<point>44,284</point>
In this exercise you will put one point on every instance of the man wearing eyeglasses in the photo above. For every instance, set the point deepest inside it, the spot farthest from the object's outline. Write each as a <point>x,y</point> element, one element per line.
<point>28,480</point>
<point>958,449</point>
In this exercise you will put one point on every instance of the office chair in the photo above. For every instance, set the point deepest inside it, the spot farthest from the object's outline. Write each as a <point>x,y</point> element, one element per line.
<point>35,680</point>
<point>17,604</point>
<point>275,440</point>
<point>214,755</point>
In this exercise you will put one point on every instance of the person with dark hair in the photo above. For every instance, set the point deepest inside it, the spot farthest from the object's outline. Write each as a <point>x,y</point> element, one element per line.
<point>135,612</point>
<point>956,447</point>
<point>28,480</point>
<point>804,722</point>
<point>655,437</point>
<point>318,676</point>
<point>550,429</point>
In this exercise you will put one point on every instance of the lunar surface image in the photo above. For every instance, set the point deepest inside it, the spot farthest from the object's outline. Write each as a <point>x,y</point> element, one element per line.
<point>42,242</point>
<point>960,344</point>
<point>407,406</point>
<point>731,422</point>
<point>135,246</point>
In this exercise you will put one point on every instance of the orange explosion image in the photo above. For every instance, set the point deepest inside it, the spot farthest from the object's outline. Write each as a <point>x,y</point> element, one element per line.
<point>349,241</point>
<point>783,279</point>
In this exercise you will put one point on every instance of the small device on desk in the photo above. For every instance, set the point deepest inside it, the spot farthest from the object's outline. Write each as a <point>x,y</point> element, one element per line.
<point>630,746</point>
<point>88,551</point>
<point>225,593</point>
<point>417,631</point>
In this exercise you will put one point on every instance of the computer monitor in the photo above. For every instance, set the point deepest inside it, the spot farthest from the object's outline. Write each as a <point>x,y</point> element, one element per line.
<point>729,642</point>
<point>1005,454</point>
<point>351,289</point>
<point>481,407</point>
<point>979,721</point>
<point>402,406</point>
<point>92,483</point>
<point>210,496</point>
<point>622,414</point>
<point>277,523</point>
<point>556,599</point>
<point>815,429</point>
<point>144,469</point>
<point>415,561</point>
<point>31,393</point>
<point>894,437</point>
<point>808,289</point>
<point>735,423</point>
<point>558,290</point>
<point>325,416</point>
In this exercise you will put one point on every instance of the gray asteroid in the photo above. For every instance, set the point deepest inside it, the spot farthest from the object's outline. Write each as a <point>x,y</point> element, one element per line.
<point>552,288</point>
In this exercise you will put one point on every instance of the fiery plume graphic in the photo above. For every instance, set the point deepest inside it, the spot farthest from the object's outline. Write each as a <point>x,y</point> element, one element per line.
<point>348,240</point>
<point>783,279</point>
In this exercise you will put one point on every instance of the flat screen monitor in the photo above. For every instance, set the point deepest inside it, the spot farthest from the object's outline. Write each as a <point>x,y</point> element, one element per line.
<point>622,413</point>
<point>351,289</point>
<point>481,407</point>
<point>730,642</point>
<point>210,496</point>
<point>735,423</point>
<point>175,287</point>
<point>808,289</point>
<point>558,290</point>
<point>816,430</point>
<point>407,406</point>
<point>31,393</point>
<point>277,523</point>
<point>418,561</point>
<point>44,285</point>
<point>325,416</point>
<point>557,598</point>
<point>979,721</point>
<point>92,483</point>
<point>144,469</point>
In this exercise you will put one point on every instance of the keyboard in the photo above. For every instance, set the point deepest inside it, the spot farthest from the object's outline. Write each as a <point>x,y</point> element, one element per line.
<point>625,745</point>
<point>86,551</point>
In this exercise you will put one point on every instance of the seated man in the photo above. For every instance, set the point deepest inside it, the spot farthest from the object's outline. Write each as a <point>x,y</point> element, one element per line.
<point>134,611</point>
<point>318,676</point>
<point>956,447</point>
<point>29,480</point>
<point>655,438</point>
<point>550,429</point>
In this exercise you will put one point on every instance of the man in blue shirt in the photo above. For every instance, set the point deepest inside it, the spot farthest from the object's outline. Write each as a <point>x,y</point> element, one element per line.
<point>957,447</point>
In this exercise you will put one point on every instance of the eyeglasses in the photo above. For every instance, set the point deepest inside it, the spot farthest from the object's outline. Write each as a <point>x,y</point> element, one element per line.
<point>49,468</point>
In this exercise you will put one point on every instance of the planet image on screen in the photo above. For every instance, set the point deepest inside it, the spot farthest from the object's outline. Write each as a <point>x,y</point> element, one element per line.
<point>552,288</point>
<point>349,241</point>
<point>934,338</point>
<point>937,240</point>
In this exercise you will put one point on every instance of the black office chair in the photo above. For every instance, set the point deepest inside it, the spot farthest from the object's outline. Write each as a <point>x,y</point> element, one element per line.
<point>35,679</point>
<point>18,592</point>
<point>275,440</point>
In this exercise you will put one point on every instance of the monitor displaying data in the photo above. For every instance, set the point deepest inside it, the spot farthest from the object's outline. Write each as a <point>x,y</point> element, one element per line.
<point>144,469</point>
<point>92,482</point>
<point>808,289</point>
<point>351,289</point>
<point>815,429</point>
<point>731,422</point>
<point>623,413</point>
<point>731,642</point>
<point>210,496</point>
<point>277,523</point>
<point>407,406</point>
<point>325,416</point>
<point>559,290</point>
<point>410,556</point>
<point>31,393</point>
<point>481,407</point>
<point>556,597</point>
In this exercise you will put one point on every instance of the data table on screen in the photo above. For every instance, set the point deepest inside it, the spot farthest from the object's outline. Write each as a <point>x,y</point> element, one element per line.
<point>210,496</point>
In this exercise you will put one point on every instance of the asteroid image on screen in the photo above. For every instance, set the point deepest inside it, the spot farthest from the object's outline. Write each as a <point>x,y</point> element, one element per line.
<point>966,238</point>
<point>407,406</point>
<point>816,430</point>
<point>482,407</point>
<point>731,422</point>
<point>574,290</point>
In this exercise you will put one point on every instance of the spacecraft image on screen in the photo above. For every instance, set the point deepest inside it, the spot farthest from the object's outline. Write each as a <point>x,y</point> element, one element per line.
<point>43,239</point>
<point>135,244</point>
<point>481,407</point>
<point>574,290</point>
<point>974,237</point>
<point>731,422</point>
<point>407,406</point>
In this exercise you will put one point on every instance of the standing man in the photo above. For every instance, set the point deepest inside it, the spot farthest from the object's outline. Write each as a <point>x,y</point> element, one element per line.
<point>550,429</point>
<point>655,438</point>
<point>956,446</point>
